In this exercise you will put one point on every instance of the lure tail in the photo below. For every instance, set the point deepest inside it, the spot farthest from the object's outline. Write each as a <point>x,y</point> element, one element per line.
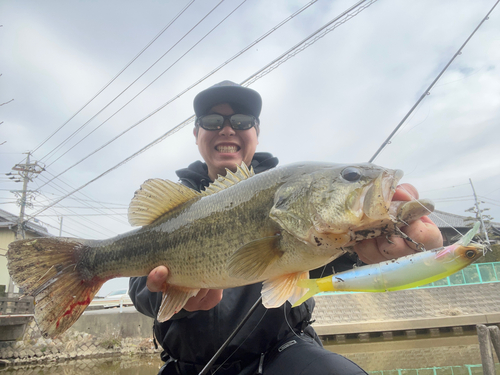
<point>46,269</point>
<point>313,287</point>
<point>467,238</point>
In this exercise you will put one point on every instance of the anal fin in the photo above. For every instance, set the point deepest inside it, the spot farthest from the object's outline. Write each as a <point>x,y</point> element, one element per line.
<point>173,300</point>
<point>276,291</point>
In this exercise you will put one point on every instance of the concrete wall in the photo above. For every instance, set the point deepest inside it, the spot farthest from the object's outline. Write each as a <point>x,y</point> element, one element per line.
<point>6,237</point>
<point>126,324</point>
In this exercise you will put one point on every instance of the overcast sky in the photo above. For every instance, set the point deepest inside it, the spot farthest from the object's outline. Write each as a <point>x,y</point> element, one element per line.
<point>335,101</point>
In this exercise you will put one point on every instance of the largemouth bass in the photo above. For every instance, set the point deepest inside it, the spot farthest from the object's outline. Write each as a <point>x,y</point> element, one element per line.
<point>403,273</point>
<point>271,227</point>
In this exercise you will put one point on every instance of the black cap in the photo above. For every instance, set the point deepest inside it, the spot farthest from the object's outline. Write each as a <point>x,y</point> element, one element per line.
<point>241,99</point>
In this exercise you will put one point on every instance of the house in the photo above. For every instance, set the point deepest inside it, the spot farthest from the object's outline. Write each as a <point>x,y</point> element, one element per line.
<point>454,226</point>
<point>8,229</point>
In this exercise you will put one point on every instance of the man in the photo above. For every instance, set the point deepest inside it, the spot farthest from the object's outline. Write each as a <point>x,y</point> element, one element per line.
<point>274,341</point>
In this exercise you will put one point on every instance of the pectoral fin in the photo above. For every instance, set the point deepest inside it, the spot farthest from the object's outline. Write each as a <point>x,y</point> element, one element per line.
<point>174,299</point>
<point>276,291</point>
<point>250,261</point>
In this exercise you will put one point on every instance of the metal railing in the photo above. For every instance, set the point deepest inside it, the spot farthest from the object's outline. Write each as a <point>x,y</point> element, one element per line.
<point>443,370</point>
<point>478,273</point>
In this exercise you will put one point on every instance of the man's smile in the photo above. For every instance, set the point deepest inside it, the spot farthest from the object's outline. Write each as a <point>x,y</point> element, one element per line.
<point>227,148</point>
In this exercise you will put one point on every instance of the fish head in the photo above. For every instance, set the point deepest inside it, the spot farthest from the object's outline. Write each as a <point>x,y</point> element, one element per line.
<point>352,196</point>
<point>325,206</point>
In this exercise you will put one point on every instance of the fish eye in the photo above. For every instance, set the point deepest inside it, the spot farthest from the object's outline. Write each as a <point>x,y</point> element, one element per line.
<point>470,254</point>
<point>351,174</point>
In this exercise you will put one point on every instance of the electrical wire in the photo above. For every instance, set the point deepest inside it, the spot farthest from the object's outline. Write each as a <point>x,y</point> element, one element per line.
<point>119,73</point>
<point>427,91</point>
<point>110,233</point>
<point>152,113</point>
<point>64,191</point>
<point>260,72</point>
<point>66,215</point>
<point>310,40</point>
<point>445,188</point>
<point>302,45</point>
<point>140,76</point>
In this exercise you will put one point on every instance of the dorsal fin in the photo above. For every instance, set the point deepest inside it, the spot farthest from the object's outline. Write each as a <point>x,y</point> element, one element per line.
<point>230,179</point>
<point>155,198</point>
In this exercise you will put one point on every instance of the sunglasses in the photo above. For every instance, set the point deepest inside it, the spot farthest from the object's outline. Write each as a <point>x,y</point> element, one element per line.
<point>216,121</point>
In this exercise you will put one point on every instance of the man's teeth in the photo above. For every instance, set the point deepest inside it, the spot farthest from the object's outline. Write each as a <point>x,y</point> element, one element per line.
<point>227,149</point>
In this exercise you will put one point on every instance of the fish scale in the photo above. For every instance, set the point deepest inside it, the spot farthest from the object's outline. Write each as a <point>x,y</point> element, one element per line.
<point>272,227</point>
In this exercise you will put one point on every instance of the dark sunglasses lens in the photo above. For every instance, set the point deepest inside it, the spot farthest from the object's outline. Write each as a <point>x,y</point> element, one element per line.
<point>242,122</point>
<point>211,122</point>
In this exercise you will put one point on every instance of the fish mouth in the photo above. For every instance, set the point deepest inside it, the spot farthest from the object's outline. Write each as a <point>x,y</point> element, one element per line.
<point>374,199</point>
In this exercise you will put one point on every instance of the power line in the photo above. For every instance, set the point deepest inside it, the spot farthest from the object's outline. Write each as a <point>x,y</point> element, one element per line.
<point>65,231</point>
<point>86,220</point>
<point>152,113</point>
<point>427,91</point>
<point>119,73</point>
<point>62,190</point>
<point>198,82</point>
<point>444,188</point>
<point>67,215</point>
<point>89,208</point>
<point>492,191</point>
<point>301,45</point>
<point>488,199</point>
<point>145,88</point>
<point>310,40</point>
<point>453,200</point>
<point>46,194</point>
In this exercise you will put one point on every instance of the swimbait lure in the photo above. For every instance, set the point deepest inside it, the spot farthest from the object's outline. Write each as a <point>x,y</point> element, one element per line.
<point>403,273</point>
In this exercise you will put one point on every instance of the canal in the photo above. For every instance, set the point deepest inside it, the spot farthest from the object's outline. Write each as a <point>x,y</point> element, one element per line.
<point>451,353</point>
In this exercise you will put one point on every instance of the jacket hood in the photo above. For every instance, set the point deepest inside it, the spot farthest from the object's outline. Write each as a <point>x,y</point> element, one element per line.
<point>195,176</point>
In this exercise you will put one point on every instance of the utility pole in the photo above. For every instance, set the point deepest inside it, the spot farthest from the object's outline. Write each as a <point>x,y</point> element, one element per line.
<point>26,172</point>
<point>480,213</point>
<point>20,225</point>
<point>60,226</point>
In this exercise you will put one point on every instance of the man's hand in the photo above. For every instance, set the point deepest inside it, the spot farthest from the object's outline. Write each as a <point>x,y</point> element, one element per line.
<point>423,231</point>
<point>204,300</point>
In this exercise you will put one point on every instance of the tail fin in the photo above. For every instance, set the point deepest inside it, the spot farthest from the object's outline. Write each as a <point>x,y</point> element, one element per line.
<point>46,269</point>
<point>313,287</point>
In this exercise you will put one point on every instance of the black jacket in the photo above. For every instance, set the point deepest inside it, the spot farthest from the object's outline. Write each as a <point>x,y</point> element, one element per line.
<point>194,337</point>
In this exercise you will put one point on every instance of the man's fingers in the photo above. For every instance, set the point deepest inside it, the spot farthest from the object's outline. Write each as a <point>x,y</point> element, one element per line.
<point>425,232</point>
<point>157,279</point>
<point>367,251</point>
<point>204,300</point>
<point>379,249</point>
<point>405,192</point>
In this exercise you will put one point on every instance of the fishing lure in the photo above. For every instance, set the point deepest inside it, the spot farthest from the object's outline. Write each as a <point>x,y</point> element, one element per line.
<point>403,273</point>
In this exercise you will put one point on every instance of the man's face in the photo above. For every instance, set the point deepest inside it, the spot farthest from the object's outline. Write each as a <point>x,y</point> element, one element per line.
<point>227,147</point>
